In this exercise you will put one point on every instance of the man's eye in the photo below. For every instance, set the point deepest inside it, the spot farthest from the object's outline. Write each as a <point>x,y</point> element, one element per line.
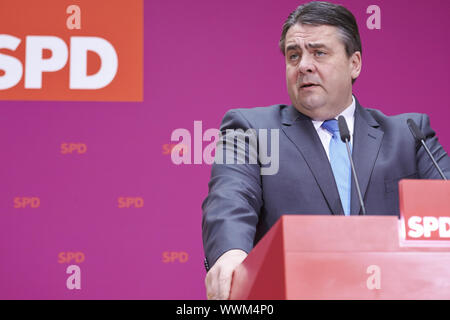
<point>320,53</point>
<point>293,56</point>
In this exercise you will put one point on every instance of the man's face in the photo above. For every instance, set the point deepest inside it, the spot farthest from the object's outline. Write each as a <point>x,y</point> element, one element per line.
<point>318,72</point>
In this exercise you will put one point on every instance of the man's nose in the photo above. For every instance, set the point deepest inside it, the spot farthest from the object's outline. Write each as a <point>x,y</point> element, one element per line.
<point>306,64</point>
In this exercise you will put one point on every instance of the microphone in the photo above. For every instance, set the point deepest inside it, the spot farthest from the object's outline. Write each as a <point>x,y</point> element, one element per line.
<point>345,137</point>
<point>419,136</point>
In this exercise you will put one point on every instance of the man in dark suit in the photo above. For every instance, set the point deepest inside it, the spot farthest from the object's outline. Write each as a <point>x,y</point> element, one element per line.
<point>322,51</point>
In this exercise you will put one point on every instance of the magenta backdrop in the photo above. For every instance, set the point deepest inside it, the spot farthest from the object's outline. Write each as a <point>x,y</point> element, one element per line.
<point>201,58</point>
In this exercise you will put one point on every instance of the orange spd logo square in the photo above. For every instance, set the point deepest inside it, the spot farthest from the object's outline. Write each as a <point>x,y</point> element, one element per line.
<point>78,50</point>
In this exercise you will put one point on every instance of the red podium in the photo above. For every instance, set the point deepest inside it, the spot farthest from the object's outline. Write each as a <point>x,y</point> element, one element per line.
<point>358,257</point>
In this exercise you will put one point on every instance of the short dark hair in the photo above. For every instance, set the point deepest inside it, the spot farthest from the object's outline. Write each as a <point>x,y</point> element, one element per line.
<point>318,13</point>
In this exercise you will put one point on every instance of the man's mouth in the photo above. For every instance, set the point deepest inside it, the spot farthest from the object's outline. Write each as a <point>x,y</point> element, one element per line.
<point>308,85</point>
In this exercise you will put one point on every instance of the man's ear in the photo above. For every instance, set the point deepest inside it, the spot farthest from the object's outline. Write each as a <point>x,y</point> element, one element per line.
<point>355,64</point>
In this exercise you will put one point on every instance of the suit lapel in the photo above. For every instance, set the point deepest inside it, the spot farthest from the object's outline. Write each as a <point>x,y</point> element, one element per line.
<point>300,131</point>
<point>366,145</point>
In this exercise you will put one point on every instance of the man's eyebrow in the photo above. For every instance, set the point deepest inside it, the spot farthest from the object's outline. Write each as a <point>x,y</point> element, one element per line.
<point>316,45</point>
<point>311,45</point>
<point>292,47</point>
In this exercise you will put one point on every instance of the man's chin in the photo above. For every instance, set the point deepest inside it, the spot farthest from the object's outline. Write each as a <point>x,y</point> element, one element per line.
<point>312,104</point>
<point>316,111</point>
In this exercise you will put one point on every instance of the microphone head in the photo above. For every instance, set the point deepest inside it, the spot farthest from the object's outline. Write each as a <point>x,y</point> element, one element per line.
<point>343,129</point>
<point>418,135</point>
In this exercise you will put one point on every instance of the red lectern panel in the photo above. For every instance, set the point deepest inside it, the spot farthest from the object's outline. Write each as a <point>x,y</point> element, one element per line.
<point>338,257</point>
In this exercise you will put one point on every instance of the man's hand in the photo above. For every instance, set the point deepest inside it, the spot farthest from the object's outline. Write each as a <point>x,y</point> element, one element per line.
<point>218,278</point>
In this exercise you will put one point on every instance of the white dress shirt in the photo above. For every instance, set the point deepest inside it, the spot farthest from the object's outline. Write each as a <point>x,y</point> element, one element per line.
<point>325,135</point>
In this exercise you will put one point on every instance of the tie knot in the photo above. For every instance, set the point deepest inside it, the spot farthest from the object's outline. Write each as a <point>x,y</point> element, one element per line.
<point>331,126</point>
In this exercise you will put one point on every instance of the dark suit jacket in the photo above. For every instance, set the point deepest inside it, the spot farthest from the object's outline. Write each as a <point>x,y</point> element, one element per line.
<point>242,205</point>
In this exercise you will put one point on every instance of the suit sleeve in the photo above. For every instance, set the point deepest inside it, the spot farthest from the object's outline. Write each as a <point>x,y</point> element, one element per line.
<point>425,166</point>
<point>231,209</point>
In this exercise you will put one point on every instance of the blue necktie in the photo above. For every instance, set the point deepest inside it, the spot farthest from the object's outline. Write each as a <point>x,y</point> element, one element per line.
<point>340,164</point>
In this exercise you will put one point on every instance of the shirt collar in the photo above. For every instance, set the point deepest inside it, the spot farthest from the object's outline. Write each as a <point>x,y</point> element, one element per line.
<point>348,114</point>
